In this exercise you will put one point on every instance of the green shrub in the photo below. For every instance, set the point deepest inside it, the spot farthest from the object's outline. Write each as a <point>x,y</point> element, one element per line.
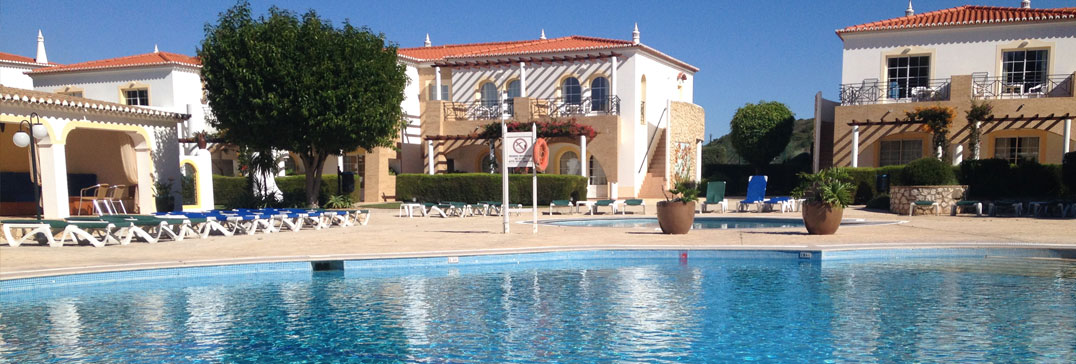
<point>995,179</point>
<point>230,191</point>
<point>782,177</point>
<point>927,171</point>
<point>235,192</point>
<point>866,181</point>
<point>879,203</point>
<point>474,187</point>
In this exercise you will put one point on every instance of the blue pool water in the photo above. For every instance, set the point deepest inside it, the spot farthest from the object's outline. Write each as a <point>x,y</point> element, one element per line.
<point>700,222</point>
<point>636,310</point>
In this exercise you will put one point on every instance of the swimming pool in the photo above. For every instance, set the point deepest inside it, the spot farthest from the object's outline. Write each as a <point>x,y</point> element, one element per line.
<point>574,307</point>
<point>702,222</point>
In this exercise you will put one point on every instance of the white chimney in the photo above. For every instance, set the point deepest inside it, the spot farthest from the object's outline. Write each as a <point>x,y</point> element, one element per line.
<point>543,34</point>
<point>427,43</point>
<point>635,34</point>
<point>1025,4</point>
<point>909,11</point>
<point>155,49</point>
<point>41,57</point>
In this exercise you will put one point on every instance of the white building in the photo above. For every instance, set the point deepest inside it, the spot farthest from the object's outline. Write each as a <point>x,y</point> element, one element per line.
<point>638,99</point>
<point>1021,60</point>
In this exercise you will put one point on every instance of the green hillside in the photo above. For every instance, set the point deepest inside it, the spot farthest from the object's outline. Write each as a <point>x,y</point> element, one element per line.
<point>720,150</point>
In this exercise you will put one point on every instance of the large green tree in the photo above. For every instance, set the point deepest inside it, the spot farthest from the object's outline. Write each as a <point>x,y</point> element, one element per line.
<point>761,131</point>
<point>299,83</point>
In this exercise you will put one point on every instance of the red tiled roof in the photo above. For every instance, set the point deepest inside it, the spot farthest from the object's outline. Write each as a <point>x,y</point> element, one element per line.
<point>965,15</point>
<point>20,59</point>
<point>570,43</point>
<point>157,58</point>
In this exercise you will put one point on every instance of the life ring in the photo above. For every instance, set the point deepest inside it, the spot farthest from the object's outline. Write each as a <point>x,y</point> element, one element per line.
<point>541,154</point>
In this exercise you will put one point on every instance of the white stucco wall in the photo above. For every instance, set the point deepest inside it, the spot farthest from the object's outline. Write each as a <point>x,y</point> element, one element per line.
<point>14,75</point>
<point>958,50</point>
<point>543,79</point>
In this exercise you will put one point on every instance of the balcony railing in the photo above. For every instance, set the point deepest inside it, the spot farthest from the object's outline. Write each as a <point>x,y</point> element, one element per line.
<point>479,110</point>
<point>984,87</point>
<point>871,91</point>
<point>585,106</point>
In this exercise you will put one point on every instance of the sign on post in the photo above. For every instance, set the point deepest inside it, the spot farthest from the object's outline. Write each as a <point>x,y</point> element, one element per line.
<point>520,146</point>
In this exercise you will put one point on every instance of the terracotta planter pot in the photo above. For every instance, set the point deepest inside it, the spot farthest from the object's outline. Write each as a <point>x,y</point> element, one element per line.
<point>676,217</point>
<point>821,219</point>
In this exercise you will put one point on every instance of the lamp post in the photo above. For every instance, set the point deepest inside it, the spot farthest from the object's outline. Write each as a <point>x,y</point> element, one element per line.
<point>28,134</point>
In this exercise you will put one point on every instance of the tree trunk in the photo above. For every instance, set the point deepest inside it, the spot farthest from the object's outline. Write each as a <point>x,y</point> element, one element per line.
<point>314,165</point>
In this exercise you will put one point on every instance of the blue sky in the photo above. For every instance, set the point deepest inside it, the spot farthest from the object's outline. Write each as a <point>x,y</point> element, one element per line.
<point>747,50</point>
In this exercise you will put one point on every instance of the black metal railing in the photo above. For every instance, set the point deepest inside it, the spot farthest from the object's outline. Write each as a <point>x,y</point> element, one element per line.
<point>873,91</point>
<point>582,106</point>
<point>985,87</point>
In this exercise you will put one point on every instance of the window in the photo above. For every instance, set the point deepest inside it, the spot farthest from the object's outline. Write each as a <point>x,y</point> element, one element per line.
<point>489,94</point>
<point>569,163</point>
<point>597,175</point>
<point>900,151</point>
<point>1024,71</point>
<point>599,94</point>
<point>1015,150</point>
<point>907,73</point>
<point>137,97</point>
<point>514,89</point>
<point>354,163</point>
<point>444,93</point>
<point>571,91</point>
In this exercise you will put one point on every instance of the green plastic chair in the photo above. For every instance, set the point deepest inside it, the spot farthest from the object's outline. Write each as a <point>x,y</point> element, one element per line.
<point>715,195</point>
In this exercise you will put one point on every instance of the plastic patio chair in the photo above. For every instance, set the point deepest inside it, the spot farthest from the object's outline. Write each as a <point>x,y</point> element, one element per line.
<point>756,193</point>
<point>715,195</point>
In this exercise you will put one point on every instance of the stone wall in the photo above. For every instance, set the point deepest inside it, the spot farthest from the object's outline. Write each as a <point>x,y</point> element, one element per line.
<point>687,127</point>
<point>900,197</point>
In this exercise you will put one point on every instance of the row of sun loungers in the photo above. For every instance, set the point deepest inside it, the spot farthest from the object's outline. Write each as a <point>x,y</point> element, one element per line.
<point>176,226</point>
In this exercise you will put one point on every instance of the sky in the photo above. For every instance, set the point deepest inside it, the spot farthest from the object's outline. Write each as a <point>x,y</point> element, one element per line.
<point>747,50</point>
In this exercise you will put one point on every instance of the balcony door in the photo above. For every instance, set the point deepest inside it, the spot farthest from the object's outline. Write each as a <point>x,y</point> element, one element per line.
<point>906,75</point>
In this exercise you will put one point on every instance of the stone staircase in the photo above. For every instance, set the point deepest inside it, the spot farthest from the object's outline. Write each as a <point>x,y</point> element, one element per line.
<point>653,181</point>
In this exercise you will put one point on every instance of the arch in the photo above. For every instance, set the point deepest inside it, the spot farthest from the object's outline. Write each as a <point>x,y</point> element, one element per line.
<point>599,94</point>
<point>488,94</point>
<point>568,162</point>
<point>596,174</point>
<point>571,91</point>
<point>196,184</point>
<point>136,129</point>
<point>514,89</point>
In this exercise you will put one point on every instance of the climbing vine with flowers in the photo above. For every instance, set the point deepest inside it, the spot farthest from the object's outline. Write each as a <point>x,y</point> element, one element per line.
<point>936,120</point>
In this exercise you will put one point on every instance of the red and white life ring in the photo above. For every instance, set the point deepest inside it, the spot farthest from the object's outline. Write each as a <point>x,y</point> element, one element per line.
<point>541,154</point>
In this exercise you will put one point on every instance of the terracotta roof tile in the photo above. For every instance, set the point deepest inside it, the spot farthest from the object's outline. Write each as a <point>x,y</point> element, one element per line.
<point>965,15</point>
<point>158,58</point>
<point>570,43</point>
<point>20,59</point>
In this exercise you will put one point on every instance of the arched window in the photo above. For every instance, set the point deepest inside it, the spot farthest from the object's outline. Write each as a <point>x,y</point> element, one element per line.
<point>597,175</point>
<point>489,94</point>
<point>571,91</point>
<point>569,163</point>
<point>514,90</point>
<point>599,94</point>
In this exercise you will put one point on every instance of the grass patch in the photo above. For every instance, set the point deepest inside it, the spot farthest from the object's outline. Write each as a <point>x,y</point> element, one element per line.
<point>386,205</point>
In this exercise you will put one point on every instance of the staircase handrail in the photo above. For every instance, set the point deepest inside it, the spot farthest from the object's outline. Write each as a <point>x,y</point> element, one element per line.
<point>650,146</point>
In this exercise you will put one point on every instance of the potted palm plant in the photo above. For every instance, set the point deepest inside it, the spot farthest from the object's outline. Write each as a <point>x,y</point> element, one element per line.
<point>826,194</point>
<point>677,212</point>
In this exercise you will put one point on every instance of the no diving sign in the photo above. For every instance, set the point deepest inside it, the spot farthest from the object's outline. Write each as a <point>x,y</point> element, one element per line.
<point>520,149</point>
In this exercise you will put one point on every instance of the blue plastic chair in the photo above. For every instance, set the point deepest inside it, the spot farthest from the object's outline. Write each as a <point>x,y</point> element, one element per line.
<point>756,193</point>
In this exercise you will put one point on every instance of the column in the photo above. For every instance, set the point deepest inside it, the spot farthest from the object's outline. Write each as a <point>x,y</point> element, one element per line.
<point>698,161</point>
<point>1068,137</point>
<point>612,78</point>
<point>522,79</point>
<point>855,146</point>
<point>958,154</point>
<point>53,170</point>
<point>583,157</point>
<point>437,83</point>
<point>145,203</point>
<point>430,158</point>
<point>204,177</point>
<point>979,146</point>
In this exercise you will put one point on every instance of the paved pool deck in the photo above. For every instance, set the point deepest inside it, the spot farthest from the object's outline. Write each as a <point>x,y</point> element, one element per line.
<point>389,236</point>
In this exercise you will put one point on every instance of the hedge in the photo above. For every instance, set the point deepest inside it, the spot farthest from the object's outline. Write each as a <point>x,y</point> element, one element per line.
<point>1068,172</point>
<point>927,171</point>
<point>782,177</point>
<point>992,179</point>
<point>474,187</point>
<point>234,192</point>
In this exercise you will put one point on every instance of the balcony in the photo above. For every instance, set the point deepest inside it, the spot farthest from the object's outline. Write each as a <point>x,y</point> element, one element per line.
<point>871,91</point>
<point>998,88</point>
<point>479,110</point>
<point>559,107</point>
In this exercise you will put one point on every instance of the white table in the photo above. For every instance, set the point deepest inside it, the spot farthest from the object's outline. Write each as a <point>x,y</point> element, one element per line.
<point>408,209</point>
<point>588,204</point>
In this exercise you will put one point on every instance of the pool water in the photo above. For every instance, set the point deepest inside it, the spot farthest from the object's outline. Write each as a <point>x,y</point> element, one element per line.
<point>635,310</point>
<point>700,222</point>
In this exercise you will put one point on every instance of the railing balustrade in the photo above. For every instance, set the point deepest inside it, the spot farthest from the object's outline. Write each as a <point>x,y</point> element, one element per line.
<point>585,105</point>
<point>484,110</point>
<point>985,87</point>
<point>479,110</point>
<point>872,91</point>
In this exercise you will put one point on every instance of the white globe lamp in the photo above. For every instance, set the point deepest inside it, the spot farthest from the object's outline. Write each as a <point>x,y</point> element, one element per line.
<point>21,139</point>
